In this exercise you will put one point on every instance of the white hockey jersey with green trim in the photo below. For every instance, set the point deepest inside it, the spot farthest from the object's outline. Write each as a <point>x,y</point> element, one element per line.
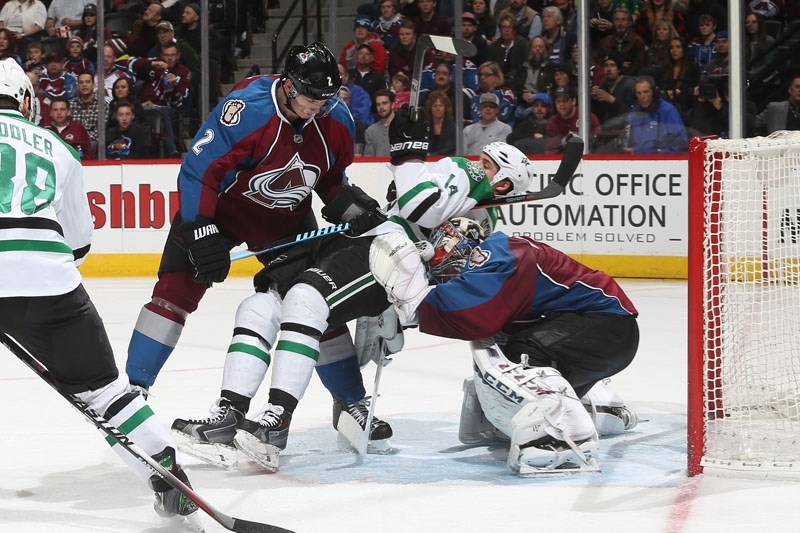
<point>45,223</point>
<point>429,195</point>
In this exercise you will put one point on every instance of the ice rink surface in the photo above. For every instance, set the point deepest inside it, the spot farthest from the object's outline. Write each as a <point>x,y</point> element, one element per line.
<point>57,474</point>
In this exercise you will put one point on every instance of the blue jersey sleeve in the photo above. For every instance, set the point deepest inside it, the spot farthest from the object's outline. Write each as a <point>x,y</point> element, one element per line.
<point>224,144</point>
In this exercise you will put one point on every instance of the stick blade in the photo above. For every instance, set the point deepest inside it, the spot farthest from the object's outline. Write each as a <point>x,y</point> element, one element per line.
<point>453,46</point>
<point>573,152</point>
<point>246,526</point>
<point>571,158</point>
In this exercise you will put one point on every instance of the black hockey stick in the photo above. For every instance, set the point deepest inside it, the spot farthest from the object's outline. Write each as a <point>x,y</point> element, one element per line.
<point>443,44</point>
<point>228,522</point>
<point>573,153</point>
<point>288,241</point>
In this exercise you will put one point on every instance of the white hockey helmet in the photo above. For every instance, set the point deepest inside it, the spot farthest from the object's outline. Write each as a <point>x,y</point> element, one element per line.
<point>15,84</point>
<point>514,165</point>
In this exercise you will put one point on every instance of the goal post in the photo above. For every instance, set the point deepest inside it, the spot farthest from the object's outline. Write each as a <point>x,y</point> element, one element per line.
<point>744,306</point>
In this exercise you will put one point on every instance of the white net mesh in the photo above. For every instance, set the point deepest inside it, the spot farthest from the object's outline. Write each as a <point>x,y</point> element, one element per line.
<point>751,303</point>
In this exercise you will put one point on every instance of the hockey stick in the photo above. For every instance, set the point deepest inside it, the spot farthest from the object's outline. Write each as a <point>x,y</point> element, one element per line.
<point>573,153</point>
<point>288,241</point>
<point>364,442</point>
<point>443,44</point>
<point>226,521</point>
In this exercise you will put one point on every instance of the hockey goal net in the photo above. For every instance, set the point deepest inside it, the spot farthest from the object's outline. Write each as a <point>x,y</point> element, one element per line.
<point>744,306</point>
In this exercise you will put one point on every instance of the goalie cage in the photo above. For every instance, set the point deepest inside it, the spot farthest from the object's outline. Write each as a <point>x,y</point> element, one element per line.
<point>744,306</point>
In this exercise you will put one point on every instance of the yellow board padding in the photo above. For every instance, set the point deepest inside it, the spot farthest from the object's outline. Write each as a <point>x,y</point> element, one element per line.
<point>622,266</point>
<point>146,265</point>
<point>637,266</point>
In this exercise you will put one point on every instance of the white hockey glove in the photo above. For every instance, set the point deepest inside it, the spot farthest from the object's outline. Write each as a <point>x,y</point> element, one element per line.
<point>396,265</point>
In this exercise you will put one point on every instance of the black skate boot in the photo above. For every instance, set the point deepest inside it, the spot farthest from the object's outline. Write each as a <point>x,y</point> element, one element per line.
<point>356,414</point>
<point>210,439</point>
<point>169,501</point>
<point>263,439</point>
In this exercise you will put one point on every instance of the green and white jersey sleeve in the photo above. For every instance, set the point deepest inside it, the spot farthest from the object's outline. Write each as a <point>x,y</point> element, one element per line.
<point>451,187</point>
<point>428,196</point>
<point>45,223</point>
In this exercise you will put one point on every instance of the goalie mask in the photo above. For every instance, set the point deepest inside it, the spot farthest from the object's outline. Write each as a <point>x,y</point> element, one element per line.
<point>453,242</point>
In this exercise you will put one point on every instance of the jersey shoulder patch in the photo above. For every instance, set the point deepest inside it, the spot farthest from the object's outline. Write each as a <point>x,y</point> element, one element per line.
<point>472,169</point>
<point>231,113</point>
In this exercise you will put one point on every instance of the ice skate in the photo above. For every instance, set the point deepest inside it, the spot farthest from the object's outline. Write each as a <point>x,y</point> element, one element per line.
<point>169,502</point>
<point>264,438</point>
<point>350,420</point>
<point>608,410</point>
<point>210,439</point>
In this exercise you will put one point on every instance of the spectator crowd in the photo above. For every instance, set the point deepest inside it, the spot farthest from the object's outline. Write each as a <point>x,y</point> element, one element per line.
<point>658,73</point>
<point>150,64</point>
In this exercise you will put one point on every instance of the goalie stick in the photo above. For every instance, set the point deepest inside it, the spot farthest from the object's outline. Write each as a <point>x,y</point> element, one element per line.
<point>228,522</point>
<point>573,153</point>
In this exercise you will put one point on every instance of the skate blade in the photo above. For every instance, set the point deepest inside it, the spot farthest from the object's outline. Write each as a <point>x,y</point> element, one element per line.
<point>189,522</point>
<point>216,454</point>
<point>192,522</point>
<point>264,454</point>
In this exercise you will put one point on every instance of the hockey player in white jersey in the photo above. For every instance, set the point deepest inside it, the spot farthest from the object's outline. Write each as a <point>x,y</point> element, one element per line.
<point>45,233</point>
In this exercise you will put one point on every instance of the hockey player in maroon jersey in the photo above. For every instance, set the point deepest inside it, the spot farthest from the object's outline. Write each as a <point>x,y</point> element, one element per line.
<point>248,178</point>
<point>555,329</point>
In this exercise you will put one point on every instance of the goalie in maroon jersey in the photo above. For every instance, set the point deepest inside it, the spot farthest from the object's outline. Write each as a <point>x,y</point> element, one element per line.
<point>555,328</point>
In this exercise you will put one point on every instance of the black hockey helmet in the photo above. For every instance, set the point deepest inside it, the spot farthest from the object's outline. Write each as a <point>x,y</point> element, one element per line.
<point>313,71</point>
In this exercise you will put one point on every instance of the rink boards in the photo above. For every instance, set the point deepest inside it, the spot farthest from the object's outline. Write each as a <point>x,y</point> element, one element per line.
<point>627,217</point>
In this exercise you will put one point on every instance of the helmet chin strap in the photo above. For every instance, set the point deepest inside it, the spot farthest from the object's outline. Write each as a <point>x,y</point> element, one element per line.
<point>291,95</point>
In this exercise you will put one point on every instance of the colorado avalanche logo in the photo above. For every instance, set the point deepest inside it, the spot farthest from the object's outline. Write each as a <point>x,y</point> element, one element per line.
<point>231,113</point>
<point>284,188</point>
<point>302,57</point>
<point>478,257</point>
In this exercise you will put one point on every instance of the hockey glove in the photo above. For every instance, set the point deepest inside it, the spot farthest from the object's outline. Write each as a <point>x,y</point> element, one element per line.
<point>409,135</point>
<point>357,208</point>
<point>395,263</point>
<point>207,249</point>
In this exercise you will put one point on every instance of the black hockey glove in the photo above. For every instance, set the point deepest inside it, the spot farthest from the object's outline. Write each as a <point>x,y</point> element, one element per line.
<point>357,208</point>
<point>409,135</point>
<point>208,250</point>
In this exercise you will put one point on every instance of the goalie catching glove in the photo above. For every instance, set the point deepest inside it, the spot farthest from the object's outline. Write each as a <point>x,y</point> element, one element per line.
<point>207,249</point>
<point>409,135</point>
<point>395,263</point>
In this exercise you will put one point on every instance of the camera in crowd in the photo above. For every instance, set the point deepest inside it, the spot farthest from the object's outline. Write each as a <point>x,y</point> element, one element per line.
<point>713,84</point>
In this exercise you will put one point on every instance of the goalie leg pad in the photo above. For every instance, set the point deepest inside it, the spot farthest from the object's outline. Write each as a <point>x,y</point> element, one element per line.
<point>503,387</point>
<point>535,451</point>
<point>473,428</point>
<point>608,410</point>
